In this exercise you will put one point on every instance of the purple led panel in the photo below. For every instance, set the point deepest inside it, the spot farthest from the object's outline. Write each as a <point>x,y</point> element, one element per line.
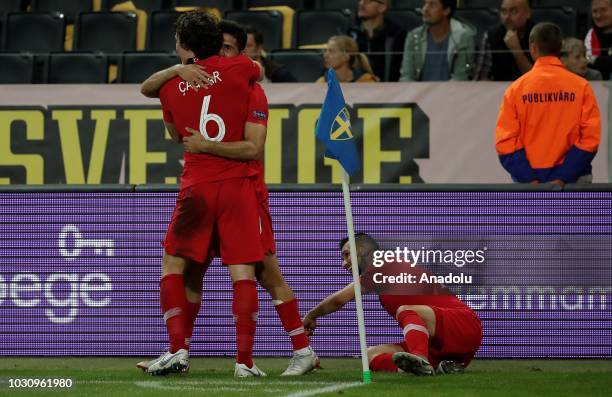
<point>79,272</point>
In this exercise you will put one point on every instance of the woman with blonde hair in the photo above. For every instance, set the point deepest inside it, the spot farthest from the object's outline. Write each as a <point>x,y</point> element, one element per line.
<point>351,66</point>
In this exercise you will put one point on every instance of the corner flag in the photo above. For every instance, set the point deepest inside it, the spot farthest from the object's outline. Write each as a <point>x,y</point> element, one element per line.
<point>334,127</point>
<point>334,130</point>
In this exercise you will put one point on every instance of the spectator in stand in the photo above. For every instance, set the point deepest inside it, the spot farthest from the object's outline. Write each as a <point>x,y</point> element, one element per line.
<point>504,50</point>
<point>275,72</point>
<point>598,40</point>
<point>441,49</point>
<point>573,56</point>
<point>379,38</point>
<point>351,66</point>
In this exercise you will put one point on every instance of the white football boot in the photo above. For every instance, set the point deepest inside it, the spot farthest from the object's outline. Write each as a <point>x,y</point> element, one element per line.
<point>242,371</point>
<point>169,363</point>
<point>302,362</point>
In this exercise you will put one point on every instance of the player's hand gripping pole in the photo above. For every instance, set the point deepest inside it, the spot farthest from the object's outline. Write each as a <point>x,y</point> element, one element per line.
<point>367,377</point>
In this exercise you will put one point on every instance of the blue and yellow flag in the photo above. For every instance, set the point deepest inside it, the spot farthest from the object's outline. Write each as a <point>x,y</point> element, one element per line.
<point>334,127</point>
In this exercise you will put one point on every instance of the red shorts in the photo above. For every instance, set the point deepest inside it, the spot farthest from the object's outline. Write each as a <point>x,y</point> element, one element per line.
<point>458,336</point>
<point>224,211</point>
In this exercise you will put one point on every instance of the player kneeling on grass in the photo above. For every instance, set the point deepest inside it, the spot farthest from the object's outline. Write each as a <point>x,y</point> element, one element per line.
<point>440,331</point>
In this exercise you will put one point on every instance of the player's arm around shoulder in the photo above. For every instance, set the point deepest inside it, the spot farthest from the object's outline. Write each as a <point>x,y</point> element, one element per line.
<point>194,74</point>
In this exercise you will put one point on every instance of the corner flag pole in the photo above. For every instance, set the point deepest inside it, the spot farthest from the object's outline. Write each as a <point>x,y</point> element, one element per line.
<point>367,376</point>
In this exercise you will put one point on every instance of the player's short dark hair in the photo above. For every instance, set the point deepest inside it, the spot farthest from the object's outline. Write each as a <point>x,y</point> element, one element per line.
<point>362,239</point>
<point>235,30</point>
<point>452,4</point>
<point>256,34</point>
<point>547,37</point>
<point>198,31</point>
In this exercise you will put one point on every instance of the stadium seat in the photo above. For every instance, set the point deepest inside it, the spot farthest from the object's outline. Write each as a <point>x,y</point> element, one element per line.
<point>582,6</point>
<point>480,4</point>
<point>482,19</point>
<point>583,11</point>
<point>146,5</point>
<point>136,67</point>
<point>70,8</point>
<point>314,27</point>
<point>565,17</point>
<point>16,68</point>
<point>269,23</point>
<point>11,6</point>
<point>407,19</point>
<point>36,32</point>
<point>160,36</point>
<point>76,68</point>
<point>407,3</point>
<point>337,5</point>
<point>221,5</point>
<point>305,65</point>
<point>109,32</point>
<point>295,4</point>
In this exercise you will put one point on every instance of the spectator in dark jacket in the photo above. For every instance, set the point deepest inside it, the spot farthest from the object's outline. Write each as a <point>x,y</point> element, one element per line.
<point>379,38</point>
<point>275,72</point>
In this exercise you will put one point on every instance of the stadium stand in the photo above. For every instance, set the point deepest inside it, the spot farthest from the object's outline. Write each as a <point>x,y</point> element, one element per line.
<point>565,17</point>
<point>146,5</point>
<point>136,67</point>
<point>406,18</point>
<point>37,32</point>
<point>269,23</point>
<point>337,4</point>
<point>160,36</point>
<point>16,68</point>
<point>479,3</point>
<point>109,32</point>
<point>295,4</point>
<point>407,3</point>
<point>76,68</point>
<point>70,8</point>
<point>327,22</point>
<point>305,65</point>
<point>11,5</point>
<point>221,5</point>
<point>482,19</point>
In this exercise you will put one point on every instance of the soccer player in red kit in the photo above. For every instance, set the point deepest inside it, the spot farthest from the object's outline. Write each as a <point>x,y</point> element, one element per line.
<point>268,272</point>
<point>217,198</point>
<point>439,330</point>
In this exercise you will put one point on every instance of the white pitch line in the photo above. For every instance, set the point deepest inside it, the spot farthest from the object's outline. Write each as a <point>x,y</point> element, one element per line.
<point>328,389</point>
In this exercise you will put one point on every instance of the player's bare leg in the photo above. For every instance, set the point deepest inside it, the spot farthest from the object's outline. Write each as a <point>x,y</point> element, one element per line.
<point>244,308</point>
<point>418,324</point>
<point>270,277</point>
<point>380,357</point>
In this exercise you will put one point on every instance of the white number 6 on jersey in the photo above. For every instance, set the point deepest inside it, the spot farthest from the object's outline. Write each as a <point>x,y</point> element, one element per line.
<point>205,117</point>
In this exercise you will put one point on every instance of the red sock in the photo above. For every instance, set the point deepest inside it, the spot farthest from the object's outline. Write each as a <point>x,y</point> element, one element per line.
<point>415,333</point>
<point>173,303</point>
<point>244,308</point>
<point>191,313</point>
<point>383,362</point>
<point>289,314</point>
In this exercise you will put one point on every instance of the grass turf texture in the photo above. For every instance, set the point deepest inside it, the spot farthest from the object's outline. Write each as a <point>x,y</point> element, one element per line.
<point>214,377</point>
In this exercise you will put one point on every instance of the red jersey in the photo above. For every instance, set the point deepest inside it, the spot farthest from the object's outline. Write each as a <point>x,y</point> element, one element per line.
<point>393,294</point>
<point>258,114</point>
<point>218,112</point>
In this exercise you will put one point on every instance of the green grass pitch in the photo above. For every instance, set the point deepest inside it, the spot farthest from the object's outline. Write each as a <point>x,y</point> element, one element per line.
<point>109,377</point>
